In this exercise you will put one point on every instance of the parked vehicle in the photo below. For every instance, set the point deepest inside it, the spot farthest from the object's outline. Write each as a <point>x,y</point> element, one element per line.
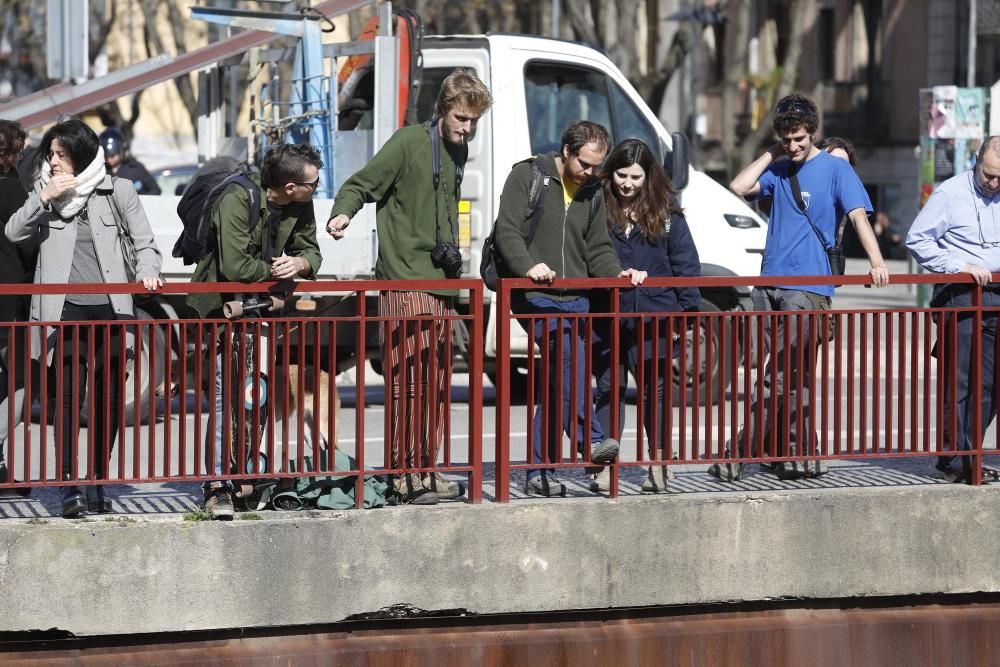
<point>540,85</point>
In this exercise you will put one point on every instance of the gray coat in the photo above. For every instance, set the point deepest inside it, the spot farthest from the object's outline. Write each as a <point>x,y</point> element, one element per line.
<point>35,224</point>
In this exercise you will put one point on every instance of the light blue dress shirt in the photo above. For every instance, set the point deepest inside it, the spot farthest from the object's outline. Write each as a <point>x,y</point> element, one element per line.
<point>957,226</point>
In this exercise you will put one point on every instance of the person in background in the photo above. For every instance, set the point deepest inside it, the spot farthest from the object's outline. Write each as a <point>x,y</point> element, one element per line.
<point>120,162</point>
<point>17,265</point>
<point>73,215</point>
<point>649,233</point>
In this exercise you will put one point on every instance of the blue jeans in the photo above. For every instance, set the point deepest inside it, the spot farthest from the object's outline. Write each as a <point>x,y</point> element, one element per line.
<point>956,355</point>
<point>654,362</point>
<point>581,414</point>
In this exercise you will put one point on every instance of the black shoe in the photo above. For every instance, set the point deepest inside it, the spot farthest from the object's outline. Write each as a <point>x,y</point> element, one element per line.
<point>97,502</point>
<point>16,492</point>
<point>74,503</point>
<point>953,473</point>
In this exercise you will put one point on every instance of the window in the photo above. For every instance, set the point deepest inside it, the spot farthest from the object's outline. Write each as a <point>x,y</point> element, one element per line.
<point>557,94</point>
<point>825,44</point>
<point>432,78</point>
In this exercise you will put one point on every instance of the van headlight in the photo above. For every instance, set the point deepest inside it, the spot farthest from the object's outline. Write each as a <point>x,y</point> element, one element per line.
<point>741,221</point>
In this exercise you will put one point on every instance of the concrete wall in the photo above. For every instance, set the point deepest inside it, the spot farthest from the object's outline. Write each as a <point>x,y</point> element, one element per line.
<point>166,575</point>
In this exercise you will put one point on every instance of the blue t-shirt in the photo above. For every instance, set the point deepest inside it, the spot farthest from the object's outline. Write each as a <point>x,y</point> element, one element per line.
<point>830,188</point>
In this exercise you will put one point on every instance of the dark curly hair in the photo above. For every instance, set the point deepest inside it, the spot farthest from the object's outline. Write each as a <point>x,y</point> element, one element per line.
<point>76,137</point>
<point>12,139</point>
<point>793,112</point>
<point>285,163</point>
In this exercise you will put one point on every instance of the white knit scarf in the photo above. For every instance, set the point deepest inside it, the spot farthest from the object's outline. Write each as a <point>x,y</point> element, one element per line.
<point>71,201</point>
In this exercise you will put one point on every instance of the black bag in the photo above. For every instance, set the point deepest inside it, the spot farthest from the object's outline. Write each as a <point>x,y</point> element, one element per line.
<point>491,264</point>
<point>195,211</point>
<point>835,253</point>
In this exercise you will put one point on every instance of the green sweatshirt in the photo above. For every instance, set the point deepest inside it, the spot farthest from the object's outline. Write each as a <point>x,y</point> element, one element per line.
<point>237,251</point>
<point>399,179</point>
<point>567,240</point>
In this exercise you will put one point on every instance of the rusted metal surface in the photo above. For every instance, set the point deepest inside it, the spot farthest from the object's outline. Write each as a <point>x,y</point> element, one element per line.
<point>928,634</point>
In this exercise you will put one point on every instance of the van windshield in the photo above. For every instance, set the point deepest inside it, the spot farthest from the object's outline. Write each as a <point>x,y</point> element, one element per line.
<point>558,94</point>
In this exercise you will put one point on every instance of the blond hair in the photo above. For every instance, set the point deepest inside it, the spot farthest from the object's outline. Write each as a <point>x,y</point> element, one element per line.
<point>462,86</point>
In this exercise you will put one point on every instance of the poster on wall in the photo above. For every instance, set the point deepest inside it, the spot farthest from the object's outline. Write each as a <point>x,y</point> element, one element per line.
<point>970,113</point>
<point>944,159</point>
<point>943,112</point>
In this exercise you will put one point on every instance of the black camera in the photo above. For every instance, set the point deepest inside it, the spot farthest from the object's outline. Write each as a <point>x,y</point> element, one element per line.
<point>447,256</point>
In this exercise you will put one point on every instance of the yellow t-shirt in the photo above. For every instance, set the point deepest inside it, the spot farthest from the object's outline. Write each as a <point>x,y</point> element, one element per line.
<point>569,191</point>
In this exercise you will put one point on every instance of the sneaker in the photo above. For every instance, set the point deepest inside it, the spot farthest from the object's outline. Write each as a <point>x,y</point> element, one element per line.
<point>656,479</point>
<point>546,485</point>
<point>605,451</point>
<point>791,470</point>
<point>602,481</point>
<point>952,473</point>
<point>220,503</point>
<point>410,490</point>
<point>727,472</point>
<point>443,488</point>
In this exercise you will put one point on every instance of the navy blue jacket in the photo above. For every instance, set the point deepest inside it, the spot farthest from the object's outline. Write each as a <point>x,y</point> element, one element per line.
<point>672,255</point>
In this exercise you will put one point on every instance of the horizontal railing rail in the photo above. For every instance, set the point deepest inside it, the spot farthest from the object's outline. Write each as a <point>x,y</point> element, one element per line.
<point>869,383</point>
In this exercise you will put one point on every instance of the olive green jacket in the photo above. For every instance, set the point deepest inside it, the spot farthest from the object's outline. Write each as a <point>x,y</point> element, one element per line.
<point>237,251</point>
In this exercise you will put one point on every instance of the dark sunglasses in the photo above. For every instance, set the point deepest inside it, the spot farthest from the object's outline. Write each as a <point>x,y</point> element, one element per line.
<point>792,106</point>
<point>311,186</point>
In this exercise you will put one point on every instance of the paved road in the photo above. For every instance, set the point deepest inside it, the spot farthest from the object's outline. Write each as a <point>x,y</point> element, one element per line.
<point>171,498</point>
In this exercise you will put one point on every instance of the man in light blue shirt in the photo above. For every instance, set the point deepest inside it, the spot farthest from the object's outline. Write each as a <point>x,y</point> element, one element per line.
<point>958,231</point>
<point>794,170</point>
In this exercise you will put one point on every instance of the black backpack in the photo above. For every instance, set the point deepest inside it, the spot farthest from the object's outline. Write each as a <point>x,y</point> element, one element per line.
<point>195,211</point>
<point>491,265</point>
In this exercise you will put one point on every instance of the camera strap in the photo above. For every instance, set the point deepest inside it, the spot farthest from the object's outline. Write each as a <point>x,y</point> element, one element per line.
<point>793,180</point>
<point>438,185</point>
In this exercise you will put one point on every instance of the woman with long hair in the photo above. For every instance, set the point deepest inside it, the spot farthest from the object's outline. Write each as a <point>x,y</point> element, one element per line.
<point>84,223</point>
<point>649,233</point>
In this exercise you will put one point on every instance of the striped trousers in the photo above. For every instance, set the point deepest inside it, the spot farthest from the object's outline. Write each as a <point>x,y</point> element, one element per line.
<point>416,349</point>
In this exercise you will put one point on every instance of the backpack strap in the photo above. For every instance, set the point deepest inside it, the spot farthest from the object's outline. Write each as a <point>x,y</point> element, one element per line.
<point>538,184</point>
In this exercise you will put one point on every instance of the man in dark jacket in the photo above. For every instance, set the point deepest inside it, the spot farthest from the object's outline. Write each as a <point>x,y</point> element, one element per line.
<point>121,164</point>
<point>17,265</point>
<point>571,241</point>
<point>282,246</point>
<point>417,213</point>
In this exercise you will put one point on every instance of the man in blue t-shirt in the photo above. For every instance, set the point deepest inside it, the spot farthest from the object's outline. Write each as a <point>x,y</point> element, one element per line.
<point>797,238</point>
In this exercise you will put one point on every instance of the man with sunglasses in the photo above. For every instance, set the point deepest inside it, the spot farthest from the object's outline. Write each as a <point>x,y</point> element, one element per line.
<point>958,231</point>
<point>802,225</point>
<point>281,245</point>
<point>415,182</point>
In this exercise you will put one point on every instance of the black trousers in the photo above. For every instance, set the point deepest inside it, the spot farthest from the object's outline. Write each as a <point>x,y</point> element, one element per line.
<point>78,362</point>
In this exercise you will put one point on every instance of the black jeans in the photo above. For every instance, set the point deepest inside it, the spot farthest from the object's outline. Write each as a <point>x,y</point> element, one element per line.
<point>78,360</point>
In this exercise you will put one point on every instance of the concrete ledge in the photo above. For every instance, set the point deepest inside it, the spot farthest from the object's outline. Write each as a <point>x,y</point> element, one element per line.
<point>96,578</point>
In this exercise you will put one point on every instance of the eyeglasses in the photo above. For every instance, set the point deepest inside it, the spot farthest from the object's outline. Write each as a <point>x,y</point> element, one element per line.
<point>312,186</point>
<point>792,105</point>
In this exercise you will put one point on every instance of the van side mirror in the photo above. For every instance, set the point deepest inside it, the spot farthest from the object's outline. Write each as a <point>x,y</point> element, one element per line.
<point>676,161</point>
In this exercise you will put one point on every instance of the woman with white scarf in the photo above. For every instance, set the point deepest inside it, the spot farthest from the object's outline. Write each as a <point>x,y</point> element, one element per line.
<point>72,216</point>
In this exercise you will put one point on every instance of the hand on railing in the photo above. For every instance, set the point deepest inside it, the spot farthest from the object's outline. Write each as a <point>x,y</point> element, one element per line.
<point>880,276</point>
<point>979,274</point>
<point>541,273</point>
<point>152,284</point>
<point>634,275</point>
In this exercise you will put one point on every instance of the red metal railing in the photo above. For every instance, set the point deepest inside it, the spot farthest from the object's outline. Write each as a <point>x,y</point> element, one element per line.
<point>294,409</point>
<point>874,389</point>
